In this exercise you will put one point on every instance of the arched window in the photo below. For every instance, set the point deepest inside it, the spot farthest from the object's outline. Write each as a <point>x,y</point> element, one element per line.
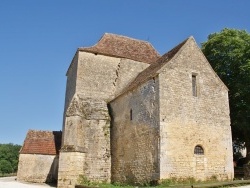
<point>198,150</point>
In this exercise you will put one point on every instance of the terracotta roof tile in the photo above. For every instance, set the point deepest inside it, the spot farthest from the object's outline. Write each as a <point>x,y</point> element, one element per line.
<point>153,69</point>
<point>42,142</point>
<point>125,47</point>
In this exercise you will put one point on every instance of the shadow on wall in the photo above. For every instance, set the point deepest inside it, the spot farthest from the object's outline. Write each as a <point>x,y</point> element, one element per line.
<point>52,176</point>
<point>53,173</point>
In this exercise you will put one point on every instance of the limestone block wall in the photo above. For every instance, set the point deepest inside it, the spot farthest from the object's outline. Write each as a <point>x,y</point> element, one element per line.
<point>37,168</point>
<point>71,81</point>
<point>79,113</point>
<point>135,135</point>
<point>98,158</point>
<point>90,158</point>
<point>93,80</point>
<point>187,120</point>
<point>70,168</point>
<point>70,87</point>
<point>87,134</point>
<point>103,77</point>
<point>98,76</point>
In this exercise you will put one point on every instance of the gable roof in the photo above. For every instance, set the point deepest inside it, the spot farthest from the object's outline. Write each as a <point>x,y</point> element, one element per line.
<point>124,47</point>
<point>153,69</point>
<point>42,142</point>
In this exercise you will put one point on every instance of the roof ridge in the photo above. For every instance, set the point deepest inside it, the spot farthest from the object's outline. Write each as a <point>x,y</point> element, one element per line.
<point>123,36</point>
<point>124,47</point>
<point>171,53</point>
<point>153,69</point>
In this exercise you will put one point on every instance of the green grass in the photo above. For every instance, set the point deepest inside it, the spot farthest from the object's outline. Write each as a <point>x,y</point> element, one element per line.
<point>173,182</point>
<point>84,181</point>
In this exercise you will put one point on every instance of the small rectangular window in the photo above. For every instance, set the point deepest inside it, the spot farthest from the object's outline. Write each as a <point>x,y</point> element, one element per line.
<point>131,115</point>
<point>194,85</point>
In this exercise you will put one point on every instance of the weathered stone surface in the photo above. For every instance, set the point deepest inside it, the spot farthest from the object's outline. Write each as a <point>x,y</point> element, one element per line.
<point>70,168</point>
<point>156,123</point>
<point>93,80</point>
<point>135,135</point>
<point>103,77</point>
<point>181,121</point>
<point>87,130</point>
<point>187,121</point>
<point>88,108</point>
<point>71,81</point>
<point>37,168</point>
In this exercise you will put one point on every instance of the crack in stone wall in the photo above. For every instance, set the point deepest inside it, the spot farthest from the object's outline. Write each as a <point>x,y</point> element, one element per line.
<point>117,73</point>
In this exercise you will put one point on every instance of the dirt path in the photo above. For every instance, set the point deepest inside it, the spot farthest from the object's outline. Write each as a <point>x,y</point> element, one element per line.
<point>10,182</point>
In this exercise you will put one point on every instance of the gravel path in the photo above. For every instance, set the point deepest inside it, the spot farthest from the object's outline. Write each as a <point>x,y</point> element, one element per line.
<point>10,182</point>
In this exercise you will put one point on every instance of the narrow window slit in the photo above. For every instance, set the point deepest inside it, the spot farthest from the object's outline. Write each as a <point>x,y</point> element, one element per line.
<point>194,85</point>
<point>131,114</point>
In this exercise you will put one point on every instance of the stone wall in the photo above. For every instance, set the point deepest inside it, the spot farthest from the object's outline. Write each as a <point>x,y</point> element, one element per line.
<point>103,77</point>
<point>86,142</point>
<point>71,81</point>
<point>70,168</point>
<point>37,168</point>
<point>70,87</point>
<point>148,141</point>
<point>187,120</point>
<point>93,80</point>
<point>134,135</point>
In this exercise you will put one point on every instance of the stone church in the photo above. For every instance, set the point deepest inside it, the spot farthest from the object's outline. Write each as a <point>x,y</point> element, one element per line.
<point>134,116</point>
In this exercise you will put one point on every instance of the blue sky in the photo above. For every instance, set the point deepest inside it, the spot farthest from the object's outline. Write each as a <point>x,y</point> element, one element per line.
<point>38,40</point>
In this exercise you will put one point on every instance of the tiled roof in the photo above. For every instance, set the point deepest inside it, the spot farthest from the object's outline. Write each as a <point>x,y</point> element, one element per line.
<point>125,47</point>
<point>153,69</point>
<point>42,142</point>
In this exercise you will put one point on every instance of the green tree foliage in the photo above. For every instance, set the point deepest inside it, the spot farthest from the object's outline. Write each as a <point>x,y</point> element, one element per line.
<point>9,158</point>
<point>5,167</point>
<point>228,52</point>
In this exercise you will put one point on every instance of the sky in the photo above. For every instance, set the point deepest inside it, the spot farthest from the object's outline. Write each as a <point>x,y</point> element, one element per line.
<point>38,40</point>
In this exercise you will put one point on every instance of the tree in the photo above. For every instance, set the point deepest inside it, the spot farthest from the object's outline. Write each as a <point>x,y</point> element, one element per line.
<point>9,154</point>
<point>5,167</point>
<point>228,52</point>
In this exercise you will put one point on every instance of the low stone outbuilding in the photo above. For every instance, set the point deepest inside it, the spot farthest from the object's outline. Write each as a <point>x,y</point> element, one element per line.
<point>38,160</point>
